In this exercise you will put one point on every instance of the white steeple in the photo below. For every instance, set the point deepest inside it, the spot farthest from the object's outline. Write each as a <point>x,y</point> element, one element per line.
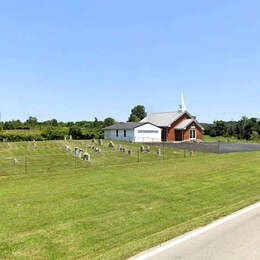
<point>182,105</point>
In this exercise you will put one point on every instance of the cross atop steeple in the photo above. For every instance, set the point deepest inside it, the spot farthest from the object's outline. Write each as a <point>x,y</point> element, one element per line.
<point>182,105</point>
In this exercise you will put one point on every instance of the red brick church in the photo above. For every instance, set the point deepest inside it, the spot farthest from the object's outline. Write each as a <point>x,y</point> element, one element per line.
<point>176,126</point>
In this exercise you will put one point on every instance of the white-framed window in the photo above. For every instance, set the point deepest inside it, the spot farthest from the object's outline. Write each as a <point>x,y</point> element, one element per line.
<point>192,133</point>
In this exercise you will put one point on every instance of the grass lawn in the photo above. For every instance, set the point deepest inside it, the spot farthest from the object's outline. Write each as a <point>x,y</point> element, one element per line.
<point>117,211</point>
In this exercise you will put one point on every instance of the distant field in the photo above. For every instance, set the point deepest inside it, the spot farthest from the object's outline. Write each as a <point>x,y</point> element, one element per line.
<point>208,138</point>
<point>21,131</point>
<point>114,211</point>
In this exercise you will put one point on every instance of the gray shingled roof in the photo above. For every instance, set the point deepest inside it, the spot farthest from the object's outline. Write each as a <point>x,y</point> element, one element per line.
<point>123,126</point>
<point>162,119</point>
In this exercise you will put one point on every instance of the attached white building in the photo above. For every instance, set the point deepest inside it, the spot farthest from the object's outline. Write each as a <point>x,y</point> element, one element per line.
<point>133,132</point>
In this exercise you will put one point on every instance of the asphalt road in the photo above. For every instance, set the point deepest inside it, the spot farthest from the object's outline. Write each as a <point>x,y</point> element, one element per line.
<point>234,237</point>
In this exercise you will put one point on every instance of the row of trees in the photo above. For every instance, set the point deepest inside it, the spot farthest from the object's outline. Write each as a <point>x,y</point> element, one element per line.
<point>137,114</point>
<point>245,128</point>
<point>54,129</point>
<point>33,123</point>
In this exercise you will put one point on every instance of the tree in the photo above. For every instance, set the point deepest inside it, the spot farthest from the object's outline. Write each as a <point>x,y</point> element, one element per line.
<point>109,121</point>
<point>133,118</point>
<point>137,114</point>
<point>32,121</point>
<point>75,132</point>
<point>254,135</point>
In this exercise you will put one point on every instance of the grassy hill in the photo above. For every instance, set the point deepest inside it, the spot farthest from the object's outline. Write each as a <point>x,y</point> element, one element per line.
<point>114,206</point>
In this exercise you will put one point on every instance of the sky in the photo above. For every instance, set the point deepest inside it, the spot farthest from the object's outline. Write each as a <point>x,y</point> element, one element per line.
<point>76,60</point>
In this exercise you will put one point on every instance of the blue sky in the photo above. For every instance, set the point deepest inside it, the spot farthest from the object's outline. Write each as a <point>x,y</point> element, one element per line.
<point>74,60</point>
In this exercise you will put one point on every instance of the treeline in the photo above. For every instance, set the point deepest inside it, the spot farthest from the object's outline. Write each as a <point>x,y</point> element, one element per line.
<point>32,129</point>
<point>245,128</point>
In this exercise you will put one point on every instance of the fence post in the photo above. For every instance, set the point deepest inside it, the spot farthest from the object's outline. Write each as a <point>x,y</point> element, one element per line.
<point>138,156</point>
<point>163,151</point>
<point>25,164</point>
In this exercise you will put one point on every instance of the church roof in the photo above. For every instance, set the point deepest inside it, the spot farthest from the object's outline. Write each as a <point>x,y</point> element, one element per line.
<point>184,124</point>
<point>122,125</point>
<point>126,126</point>
<point>164,119</point>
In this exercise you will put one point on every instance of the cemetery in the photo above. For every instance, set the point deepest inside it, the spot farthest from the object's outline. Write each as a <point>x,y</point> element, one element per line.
<point>16,158</point>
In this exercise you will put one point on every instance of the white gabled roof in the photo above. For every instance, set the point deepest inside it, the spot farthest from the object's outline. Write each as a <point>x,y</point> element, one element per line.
<point>163,119</point>
<point>184,124</point>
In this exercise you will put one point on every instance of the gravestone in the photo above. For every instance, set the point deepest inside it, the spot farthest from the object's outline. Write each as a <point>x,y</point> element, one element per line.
<point>130,152</point>
<point>86,156</point>
<point>70,137</point>
<point>80,153</point>
<point>15,160</point>
<point>67,148</point>
<point>142,149</point>
<point>97,150</point>
<point>100,142</point>
<point>34,144</point>
<point>76,151</point>
<point>158,152</point>
<point>111,144</point>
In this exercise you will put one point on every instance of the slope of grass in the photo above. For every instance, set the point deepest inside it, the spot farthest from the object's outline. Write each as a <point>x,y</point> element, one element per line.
<point>116,211</point>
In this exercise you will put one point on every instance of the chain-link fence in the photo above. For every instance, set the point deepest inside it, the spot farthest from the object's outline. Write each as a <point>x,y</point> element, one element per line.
<point>98,155</point>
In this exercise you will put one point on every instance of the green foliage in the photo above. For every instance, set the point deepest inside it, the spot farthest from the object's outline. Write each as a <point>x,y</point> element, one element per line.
<point>75,132</point>
<point>109,121</point>
<point>17,136</point>
<point>134,118</point>
<point>255,136</point>
<point>54,133</point>
<point>137,113</point>
<point>52,129</point>
<point>245,128</point>
<point>31,121</point>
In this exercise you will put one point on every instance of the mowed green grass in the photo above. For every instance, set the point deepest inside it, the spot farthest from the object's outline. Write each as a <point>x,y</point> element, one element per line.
<point>117,211</point>
<point>49,156</point>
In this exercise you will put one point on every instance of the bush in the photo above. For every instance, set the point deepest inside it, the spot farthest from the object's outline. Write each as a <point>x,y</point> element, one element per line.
<point>75,132</point>
<point>54,133</point>
<point>18,137</point>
